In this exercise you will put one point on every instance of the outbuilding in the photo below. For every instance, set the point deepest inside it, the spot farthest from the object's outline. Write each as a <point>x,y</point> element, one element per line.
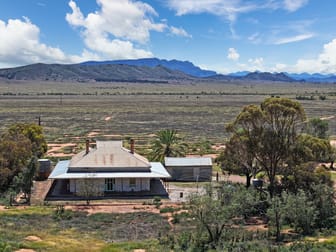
<point>189,168</point>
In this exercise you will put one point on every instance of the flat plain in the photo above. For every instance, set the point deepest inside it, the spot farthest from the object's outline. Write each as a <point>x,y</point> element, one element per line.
<point>72,112</point>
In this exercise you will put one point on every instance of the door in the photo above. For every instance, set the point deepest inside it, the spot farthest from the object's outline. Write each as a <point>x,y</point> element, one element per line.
<point>109,184</point>
<point>196,173</point>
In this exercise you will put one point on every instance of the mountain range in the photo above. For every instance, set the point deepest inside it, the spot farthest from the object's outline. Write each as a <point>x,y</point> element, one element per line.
<point>145,70</point>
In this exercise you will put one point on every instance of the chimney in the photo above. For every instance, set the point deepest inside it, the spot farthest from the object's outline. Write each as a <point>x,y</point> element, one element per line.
<point>132,145</point>
<point>87,147</point>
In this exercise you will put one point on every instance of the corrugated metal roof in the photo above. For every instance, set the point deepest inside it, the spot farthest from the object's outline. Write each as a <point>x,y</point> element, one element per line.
<point>188,161</point>
<point>61,172</point>
<point>108,154</point>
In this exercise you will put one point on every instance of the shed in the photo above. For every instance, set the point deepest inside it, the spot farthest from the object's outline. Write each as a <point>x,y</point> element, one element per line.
<point>189,168</point>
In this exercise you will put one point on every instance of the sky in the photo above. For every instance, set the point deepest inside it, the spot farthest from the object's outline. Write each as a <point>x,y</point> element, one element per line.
<point>223,35</point>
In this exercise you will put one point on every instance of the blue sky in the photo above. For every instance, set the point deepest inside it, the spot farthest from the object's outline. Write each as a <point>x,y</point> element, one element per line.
<point>221,35</point>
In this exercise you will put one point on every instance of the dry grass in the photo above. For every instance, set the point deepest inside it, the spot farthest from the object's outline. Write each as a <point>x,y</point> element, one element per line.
<point>71,112</point>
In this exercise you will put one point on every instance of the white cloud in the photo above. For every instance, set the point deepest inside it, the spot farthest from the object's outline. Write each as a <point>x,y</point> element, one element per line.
<point>233,54</point>
<point>293,5</point>
<point>179,32</point>
<point>228,8</point>
<point>119,29</point>
<point>296,38</point>
<point>256,63</point>
<point>20,44</point>
<point>325,62</point>
<point>255,38</point>
<point>122,19</point>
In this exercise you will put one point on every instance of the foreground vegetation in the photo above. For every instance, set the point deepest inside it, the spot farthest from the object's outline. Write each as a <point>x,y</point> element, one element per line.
<point>239,223</point>
<point>65,230</point>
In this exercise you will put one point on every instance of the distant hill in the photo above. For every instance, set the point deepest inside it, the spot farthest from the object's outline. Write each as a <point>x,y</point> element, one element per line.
<point>265,76</point>
<point>146,70</point>
<point>316,77</point>
<point>86,73</point>
<point>255,76</point>
<point>183,66</point>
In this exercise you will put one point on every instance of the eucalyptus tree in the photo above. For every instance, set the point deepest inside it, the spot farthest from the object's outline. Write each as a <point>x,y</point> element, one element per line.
<point>238,158</point>
<point>271,130</point>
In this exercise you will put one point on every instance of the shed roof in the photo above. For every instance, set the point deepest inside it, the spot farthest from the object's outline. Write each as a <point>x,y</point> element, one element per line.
<point>188,161</point>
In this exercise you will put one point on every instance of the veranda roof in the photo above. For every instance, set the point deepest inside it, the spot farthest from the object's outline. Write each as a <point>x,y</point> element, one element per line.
<point>61,172</point>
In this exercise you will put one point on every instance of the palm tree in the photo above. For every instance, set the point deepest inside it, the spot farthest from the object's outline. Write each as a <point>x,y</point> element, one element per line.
<point>167,144</point>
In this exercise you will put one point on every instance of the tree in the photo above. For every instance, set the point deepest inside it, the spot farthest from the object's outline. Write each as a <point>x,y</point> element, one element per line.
<point>301,212</point>
<point>276,216</point>
<point>23,182</point>
<point>305,177</point>
<point>238,158</point>
<point>318,128</point>
<point>19,145</point>
<point>271,130</point>
<point>213,213</point>
<point>204,146</point>
<point>324,200</point>
<point>34,133</point>
<point>167,143</point>
<point>15,152</point>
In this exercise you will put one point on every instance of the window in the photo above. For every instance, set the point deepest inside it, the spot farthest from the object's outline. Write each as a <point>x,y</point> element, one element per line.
<point>109,184</point>
<point>132,182</point>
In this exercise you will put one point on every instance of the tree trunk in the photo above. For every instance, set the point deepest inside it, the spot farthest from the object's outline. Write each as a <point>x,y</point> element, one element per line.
<point>248,180</point>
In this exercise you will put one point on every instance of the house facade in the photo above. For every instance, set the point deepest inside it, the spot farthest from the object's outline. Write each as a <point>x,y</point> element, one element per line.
<point>189,168</point>
<point>111,170</point>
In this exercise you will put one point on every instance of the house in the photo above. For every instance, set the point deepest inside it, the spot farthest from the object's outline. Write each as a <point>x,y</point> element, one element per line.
<point>189,168</point>
<point>113,169</point>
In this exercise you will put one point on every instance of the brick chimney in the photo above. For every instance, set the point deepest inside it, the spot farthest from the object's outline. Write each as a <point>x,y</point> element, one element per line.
<point>132,145</point>
<point>87,146</point>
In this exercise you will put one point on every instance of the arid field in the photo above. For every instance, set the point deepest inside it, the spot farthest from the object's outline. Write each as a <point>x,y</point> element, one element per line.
<point>71,112</point>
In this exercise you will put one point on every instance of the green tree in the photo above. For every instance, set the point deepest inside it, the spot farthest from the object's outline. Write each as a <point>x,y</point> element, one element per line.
<point>23,182</point>
<point>19,145</point>
<point>15,152</point>
<point>318,128</point>
<point>276,216</point>
<point>301,212</point>
<point>305,177</point>
<point>271,130</point>
<point>167,143</point>
<point>324,200</point>
<point>211,216</point>
<point>204,146</point>
<point>238,158</point>
<point>34,133</point>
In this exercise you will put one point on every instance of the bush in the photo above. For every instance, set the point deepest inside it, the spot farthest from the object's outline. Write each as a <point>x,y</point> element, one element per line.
<point>157,202</point>
<point>167,210</point>
<point>61,214</point>
<point>5,247</point>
